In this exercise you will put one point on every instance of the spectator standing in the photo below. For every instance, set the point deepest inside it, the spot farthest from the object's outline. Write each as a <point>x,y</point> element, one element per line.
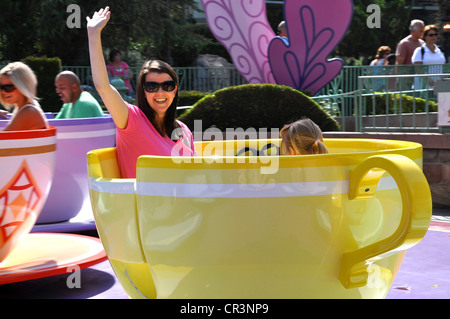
<point>406,47</point>
<point>429,53</point>
<point>282,29</point>
<point>117,67</point>
<point>377,64</point>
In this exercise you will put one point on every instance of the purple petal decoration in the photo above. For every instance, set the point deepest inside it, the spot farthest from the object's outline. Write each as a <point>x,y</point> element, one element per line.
<point>242,27</point>
<point>314,29</point>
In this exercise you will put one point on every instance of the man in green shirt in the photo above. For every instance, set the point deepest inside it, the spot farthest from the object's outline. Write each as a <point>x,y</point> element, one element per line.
<point>77,103</point>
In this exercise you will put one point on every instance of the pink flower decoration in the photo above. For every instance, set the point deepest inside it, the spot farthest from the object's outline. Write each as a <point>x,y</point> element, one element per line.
<point>315,28</point>
<point>242,28</point>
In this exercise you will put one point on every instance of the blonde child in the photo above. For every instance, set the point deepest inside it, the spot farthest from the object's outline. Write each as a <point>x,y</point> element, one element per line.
<point>301,138</point>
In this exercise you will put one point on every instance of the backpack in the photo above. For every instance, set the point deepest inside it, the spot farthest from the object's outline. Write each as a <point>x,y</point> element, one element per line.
<point>422,50</point>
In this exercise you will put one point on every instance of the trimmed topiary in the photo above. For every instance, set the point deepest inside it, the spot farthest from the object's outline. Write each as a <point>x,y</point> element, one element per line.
<point>189,98</point>
<point>256,106</point>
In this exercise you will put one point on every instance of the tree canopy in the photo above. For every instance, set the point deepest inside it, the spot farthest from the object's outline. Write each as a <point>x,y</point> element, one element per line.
<point>159,29</point>
<point>362,41</point>
<point>154,28</point>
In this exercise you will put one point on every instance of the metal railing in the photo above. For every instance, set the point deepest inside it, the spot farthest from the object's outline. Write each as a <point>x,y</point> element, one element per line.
<point>407,102</point>
<point>347,95</point>
<point>356,92</point>
<point>212,79</point>
<point>190,78</point>
<point>341,98</point>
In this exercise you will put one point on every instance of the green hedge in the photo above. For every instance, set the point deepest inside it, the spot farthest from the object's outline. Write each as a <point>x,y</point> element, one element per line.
<point>393,102</point>
<point>189,98</point>
<point>256,106</point>
<point>46,70</point>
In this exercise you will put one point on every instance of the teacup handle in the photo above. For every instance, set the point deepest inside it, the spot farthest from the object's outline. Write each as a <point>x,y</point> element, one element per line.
<point>415,219</point>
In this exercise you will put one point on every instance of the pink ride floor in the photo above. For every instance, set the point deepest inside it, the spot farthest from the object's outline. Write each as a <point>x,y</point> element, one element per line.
<point>425,271</point>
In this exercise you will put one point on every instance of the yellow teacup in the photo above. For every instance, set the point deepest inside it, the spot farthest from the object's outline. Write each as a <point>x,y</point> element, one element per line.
<point>27,161</point>
<point>223,226</point>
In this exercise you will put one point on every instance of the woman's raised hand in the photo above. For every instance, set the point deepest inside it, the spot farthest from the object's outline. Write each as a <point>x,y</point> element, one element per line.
<point>114,102</point>
<point>99,20</point>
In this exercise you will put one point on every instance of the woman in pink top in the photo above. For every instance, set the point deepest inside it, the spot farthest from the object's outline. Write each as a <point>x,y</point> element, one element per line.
<point>150,128</point>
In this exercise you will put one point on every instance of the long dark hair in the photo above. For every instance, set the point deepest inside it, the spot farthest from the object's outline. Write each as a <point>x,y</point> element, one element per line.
<point>170,125</point>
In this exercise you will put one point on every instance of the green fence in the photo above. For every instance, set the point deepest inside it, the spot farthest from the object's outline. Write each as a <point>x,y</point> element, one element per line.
<point>395,98</point>
<point>376,97</point>
<point>405,103</point>
<point>212,79</point>
<point>191,78</point>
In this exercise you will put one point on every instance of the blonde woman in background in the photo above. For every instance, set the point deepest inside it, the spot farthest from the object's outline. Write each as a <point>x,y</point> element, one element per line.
<point>302,137</point>
<point>18,85</point>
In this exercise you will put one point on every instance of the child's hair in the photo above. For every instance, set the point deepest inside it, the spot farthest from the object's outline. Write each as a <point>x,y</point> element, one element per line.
<point>302,137</point>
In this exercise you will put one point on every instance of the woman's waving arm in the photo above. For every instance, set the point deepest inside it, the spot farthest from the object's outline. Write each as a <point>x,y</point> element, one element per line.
<point>116,106</point>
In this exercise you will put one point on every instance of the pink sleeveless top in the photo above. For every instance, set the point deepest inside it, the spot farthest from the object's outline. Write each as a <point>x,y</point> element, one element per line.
<point>141,138</point>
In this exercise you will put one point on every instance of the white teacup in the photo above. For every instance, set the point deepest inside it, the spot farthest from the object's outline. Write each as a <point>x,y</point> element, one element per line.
<point>69,193</point>
<point>27,161</point>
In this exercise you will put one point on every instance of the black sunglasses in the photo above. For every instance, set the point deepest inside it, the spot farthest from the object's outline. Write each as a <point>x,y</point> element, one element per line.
<point>432,34</point>
<point>152,87</point>
<point>8,88</point>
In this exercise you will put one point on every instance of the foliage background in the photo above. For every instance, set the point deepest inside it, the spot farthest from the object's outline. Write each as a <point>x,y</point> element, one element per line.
<point>360,44</point>
<point>39,28</point>
<point>159,29</point>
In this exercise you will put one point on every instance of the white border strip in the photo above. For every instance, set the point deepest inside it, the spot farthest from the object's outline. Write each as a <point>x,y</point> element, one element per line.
<point>241,190</point>
<point>85,134</point>
<point>117,186</point>
<point>27,142</point>
<point>229,190</point>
